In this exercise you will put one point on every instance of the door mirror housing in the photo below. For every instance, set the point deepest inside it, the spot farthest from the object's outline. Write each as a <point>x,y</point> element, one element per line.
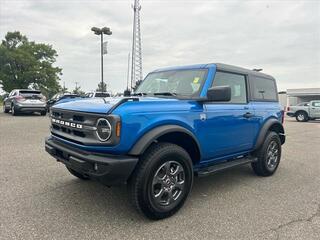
<point>219,94</point>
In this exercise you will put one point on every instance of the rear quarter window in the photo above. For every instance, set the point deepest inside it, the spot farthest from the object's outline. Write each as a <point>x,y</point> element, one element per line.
<point>263,89</point>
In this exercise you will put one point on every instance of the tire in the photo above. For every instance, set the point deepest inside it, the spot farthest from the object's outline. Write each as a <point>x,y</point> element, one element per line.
<point>43,113</point>
<point>302,117</point>
<point>165,170</point>
<point>268,155</point>
<point>5,110</point>
<point>77,174</point>
<point>14,112</point>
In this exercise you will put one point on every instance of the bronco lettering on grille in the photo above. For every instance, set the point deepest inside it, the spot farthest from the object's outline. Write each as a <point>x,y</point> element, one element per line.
<point>65,123</point>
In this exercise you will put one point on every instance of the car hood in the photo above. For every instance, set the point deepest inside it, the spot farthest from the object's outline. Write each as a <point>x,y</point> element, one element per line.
<point>100,105</point>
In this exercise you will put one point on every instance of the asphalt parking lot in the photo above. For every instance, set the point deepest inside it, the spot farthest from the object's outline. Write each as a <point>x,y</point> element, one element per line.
<point>39,199</point>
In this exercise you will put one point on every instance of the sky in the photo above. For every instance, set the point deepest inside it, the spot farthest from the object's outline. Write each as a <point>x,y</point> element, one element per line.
<point>281,37</point>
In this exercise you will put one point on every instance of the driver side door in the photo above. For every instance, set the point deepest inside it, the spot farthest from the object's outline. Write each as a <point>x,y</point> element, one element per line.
<point>228,128</point>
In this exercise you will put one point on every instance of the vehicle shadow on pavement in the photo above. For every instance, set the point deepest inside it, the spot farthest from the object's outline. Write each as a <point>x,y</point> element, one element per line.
<point>91,200</point>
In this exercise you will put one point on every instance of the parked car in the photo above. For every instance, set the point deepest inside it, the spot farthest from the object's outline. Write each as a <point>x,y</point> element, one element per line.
<point>25,100</point>
<point>305,111</point>
<point>97,95</point>
<point>59,97</point>
<point>181,122</point>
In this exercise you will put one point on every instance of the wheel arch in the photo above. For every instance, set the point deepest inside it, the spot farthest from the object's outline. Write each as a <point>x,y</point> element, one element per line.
<point>303,111</point>
<point>169,133</point>
<point>270,125</point>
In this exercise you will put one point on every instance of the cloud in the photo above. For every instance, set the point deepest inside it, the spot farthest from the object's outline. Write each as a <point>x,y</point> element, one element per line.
<point>283,37</point>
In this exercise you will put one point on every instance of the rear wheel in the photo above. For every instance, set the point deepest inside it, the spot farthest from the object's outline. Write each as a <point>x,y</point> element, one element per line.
<point>5,110</point>
<point>302,117</point>
<point>14,112</point>
<point>43,113</point>
<point>162,181</point>
<point>77,174</point>
<point>269,156</point>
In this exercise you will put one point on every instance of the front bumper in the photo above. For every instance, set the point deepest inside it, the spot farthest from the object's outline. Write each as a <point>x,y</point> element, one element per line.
<point>105,168</point>
<point>291,114</point>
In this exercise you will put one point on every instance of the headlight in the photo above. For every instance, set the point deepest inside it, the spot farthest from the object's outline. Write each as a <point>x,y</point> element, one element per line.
<point>103,129</point>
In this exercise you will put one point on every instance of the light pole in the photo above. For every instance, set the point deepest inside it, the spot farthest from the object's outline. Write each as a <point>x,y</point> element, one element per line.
<point>101,31</point>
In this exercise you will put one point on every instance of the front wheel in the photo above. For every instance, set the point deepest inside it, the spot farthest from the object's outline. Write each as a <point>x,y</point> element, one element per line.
<point>43,113</point>
<point>302,117</point>
<point>162,181</point>
<point>269,156</point>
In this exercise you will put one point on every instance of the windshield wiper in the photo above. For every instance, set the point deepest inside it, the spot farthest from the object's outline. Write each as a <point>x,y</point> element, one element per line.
<point>165,93</point>
<point>140,94</point>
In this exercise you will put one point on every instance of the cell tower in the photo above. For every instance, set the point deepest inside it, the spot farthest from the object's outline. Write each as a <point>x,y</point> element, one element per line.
<point>136,58</point>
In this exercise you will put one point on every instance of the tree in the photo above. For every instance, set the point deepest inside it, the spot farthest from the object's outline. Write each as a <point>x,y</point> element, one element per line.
<point>26,64</point>
<point>77,90</point>
<point>100,88</point>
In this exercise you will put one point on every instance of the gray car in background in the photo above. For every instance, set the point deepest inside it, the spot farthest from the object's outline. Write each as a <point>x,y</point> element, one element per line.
<point>25,100</point>
<point>305,111</point>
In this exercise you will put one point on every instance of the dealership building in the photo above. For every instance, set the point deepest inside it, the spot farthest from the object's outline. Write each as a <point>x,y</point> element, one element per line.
<point>294,96</point>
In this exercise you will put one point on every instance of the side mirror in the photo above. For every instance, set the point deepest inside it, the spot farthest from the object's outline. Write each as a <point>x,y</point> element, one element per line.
<point>219,94</point>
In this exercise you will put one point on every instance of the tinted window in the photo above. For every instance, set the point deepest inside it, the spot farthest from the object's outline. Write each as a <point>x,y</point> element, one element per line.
<point>29,92</point>
<point>263,89</point>
<point>236,82</point>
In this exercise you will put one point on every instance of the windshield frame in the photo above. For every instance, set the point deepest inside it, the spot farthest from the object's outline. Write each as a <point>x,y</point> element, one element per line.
<point>179,96</point>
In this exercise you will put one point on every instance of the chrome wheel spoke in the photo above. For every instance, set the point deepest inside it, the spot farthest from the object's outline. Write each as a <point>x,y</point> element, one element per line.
<point>167,168</point>
<point>179,185</point>
<point>272,155</point>
<point>159,194</point>
<point>177,171</point>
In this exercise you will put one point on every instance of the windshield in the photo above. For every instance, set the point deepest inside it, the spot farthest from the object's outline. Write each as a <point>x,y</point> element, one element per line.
<point>173,82</point>
<point>303,104</point>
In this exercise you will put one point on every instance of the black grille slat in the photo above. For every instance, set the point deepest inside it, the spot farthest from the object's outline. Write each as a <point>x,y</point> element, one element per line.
<point>84,135</point>
<point>78,118</point>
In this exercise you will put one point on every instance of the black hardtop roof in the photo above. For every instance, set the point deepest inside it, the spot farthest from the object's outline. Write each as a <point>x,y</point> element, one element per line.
<point>231,68</point>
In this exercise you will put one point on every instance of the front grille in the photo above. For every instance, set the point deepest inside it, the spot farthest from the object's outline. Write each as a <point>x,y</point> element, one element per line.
<point>76,127</point>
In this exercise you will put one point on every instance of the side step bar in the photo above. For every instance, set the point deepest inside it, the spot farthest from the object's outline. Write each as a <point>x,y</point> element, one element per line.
<point>225,165</point>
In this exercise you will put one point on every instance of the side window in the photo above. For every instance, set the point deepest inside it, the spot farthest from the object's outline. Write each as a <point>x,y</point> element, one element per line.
<point>263,89</point>
<point>316,104</point>
<point>236,82</point>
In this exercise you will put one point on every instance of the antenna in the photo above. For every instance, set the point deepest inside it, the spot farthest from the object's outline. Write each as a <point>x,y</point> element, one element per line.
<point>136,58</point>
<point>128,71</point>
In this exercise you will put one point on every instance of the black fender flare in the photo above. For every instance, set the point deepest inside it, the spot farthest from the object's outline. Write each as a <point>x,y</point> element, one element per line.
<point>263,131</point>
<point>148,138</point>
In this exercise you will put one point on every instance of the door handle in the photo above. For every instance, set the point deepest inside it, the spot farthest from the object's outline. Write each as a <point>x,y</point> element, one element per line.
<point>248,115</point>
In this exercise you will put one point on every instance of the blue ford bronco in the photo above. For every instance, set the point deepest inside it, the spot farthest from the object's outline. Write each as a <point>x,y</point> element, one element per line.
<point>180,122</point>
